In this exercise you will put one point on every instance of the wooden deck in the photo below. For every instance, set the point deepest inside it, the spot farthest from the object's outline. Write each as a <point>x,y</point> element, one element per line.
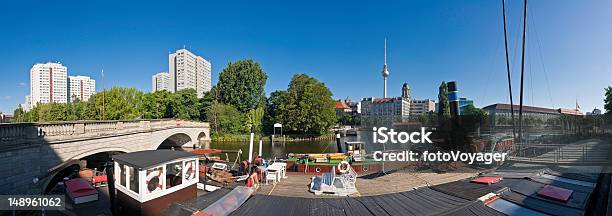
<point>296,185</point>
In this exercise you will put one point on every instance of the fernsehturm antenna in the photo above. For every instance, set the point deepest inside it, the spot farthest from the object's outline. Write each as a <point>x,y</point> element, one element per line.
<point>385,72</point>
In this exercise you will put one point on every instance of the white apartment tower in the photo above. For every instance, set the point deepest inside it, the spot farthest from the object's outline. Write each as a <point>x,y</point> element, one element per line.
<point>160,81</point>
<point>81,88</point>
<point>48,83</point>
<point>188,70</point>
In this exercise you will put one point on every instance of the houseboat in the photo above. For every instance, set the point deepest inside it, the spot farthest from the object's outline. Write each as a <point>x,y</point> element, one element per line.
<point>148,182</point>
<point>320,163</point>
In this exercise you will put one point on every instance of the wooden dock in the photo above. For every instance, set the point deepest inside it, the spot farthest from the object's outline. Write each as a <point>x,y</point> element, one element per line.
<point>296,185</point>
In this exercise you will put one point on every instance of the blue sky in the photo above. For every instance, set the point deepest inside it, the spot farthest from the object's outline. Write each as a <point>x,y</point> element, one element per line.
<point>569,48</point>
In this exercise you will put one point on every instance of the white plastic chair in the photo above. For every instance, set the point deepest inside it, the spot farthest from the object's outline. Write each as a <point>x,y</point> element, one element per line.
<point>271,175</point>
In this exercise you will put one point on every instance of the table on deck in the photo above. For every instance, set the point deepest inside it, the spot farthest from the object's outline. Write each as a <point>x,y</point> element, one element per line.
<point>279,169</point>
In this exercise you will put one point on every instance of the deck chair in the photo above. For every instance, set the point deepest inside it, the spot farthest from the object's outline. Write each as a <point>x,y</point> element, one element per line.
<point>324,183</point>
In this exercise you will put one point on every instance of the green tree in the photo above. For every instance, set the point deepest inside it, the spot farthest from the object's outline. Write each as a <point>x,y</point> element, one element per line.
<point>19,114</point>
<point>118,103</point>
<point>444,105</point>
<point>241,84</point>
<point>185,105</point>
<point>308,106</point>
<point>206,101</point>
<point>157,105</point>
<point>272,112</point>
<point>608,101</point>
<point>224,119</point>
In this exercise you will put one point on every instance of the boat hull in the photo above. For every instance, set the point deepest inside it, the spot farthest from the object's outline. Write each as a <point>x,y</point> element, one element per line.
<point>315,168</point>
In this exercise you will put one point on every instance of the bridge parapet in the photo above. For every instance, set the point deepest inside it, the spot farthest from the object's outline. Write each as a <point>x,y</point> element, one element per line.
<point>23,134</point>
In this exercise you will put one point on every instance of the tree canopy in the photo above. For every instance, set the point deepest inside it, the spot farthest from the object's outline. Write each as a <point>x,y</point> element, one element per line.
<point>241,84</point>
<point>444,105</point>
<point>306,107</point>
<point>608,100</point>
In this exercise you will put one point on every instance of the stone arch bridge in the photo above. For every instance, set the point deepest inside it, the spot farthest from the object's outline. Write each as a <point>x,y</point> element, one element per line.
<point>30,153</point>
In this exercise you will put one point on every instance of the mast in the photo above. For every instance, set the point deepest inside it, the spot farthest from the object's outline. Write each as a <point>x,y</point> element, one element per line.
<point>508,69</point>
<point>520,136</point>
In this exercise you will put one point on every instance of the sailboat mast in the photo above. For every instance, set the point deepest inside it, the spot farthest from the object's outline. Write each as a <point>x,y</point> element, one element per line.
<point>520,136</point>
<point>508,69</point>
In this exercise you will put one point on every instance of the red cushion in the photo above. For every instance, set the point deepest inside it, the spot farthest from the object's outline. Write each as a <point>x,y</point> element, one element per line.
<point>79,187</point>
<point>555,193</point>
<point>101,178</point>
<point>487,179</point>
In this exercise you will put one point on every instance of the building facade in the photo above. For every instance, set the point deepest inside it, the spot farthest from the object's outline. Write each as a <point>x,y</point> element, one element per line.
<point>188,70</point>
<point>384,110</point>
<point>48,83</point>
<point>81,88</point>
<point>160,81</point>
<point>420,107</point>
<point>501,115</point>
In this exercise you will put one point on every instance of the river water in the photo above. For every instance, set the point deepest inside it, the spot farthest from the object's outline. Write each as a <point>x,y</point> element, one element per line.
<point>280,150</point>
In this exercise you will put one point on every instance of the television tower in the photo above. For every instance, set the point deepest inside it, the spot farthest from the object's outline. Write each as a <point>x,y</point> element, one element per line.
<point>385,72</point>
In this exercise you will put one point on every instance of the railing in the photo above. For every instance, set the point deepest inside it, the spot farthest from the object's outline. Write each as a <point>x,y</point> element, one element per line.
<point>15,134</point>
<point>592,153</point>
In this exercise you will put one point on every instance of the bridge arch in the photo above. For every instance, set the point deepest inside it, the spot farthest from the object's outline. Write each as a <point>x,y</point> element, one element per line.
<point>176,140</point>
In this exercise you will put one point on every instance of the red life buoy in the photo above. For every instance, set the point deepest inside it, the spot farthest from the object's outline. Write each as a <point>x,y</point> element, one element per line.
<point>154,178</point>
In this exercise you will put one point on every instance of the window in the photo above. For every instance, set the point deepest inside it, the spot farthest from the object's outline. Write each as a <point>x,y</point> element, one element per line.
<point>174,174</point>
<point>134,185</point>
<point>154,181</point>
<point>122,175</point>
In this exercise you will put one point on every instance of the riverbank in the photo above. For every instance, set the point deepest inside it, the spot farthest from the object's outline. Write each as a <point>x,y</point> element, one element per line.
<point>268,138</point>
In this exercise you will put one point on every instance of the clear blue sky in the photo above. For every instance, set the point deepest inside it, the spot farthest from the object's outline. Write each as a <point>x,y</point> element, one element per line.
<point>339,43</point>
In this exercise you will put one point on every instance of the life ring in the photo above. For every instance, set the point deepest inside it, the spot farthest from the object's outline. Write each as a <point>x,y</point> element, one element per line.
<point>189,170</point>
<point>318,169</point>
<point>153,182</point>
<point>343,166</point>
<point>364,168</point>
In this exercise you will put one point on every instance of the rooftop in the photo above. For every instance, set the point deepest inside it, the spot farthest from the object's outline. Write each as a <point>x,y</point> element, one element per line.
<point>150,158</point>
<point>501,106</point>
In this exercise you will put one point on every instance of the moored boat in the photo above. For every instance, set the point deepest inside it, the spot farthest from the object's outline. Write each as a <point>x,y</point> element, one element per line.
<point>321,163</point>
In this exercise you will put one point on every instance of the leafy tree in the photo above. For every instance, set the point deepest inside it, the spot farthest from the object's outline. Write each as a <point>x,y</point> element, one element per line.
<point>19,114</point>
<point>206,101</point>
<point>308,106</point>
<point>241,84</point>
<point>157,105</point>
<point>272,112</point>
<point>444,105</point>
<point>185,104</point>
<point>118,103</point>
<point>478,114</point>
<point>224,119</point>
<point>608,101</point>
<point>254,118</point>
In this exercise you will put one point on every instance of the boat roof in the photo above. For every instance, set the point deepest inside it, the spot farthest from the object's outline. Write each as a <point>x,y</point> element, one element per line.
<point>421,201</point>
<point>150,158</point>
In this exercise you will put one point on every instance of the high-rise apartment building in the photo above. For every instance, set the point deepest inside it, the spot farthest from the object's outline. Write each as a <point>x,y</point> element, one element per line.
<point>81,88</point>
<point>48,83</point>
<point>188,70</point>
<point>160,81</point>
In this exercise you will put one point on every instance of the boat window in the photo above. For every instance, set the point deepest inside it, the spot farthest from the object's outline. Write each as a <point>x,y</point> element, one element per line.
<point>174,174</point>
<point>122,175</point>
<point>153,181</point>
<point>133,179</point>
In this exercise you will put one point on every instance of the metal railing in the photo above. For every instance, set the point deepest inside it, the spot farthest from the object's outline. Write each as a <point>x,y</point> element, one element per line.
<point>585,153</point>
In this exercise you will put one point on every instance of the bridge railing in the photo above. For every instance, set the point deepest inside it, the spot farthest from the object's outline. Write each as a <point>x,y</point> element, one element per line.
<point>15,135</point>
